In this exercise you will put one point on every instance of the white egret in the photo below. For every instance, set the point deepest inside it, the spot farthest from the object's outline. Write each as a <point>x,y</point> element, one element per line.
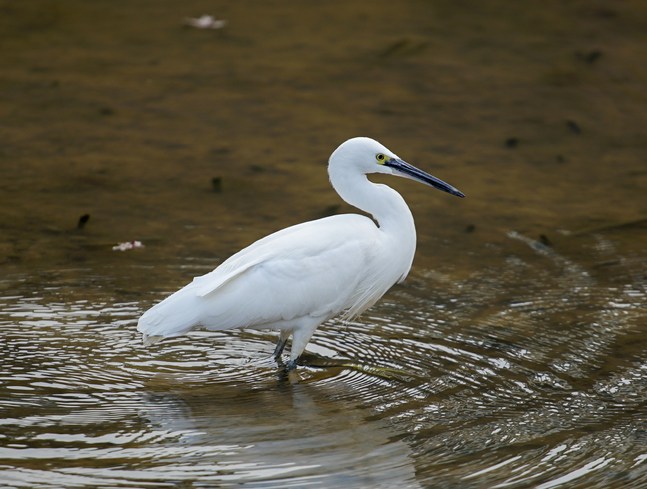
<point>296,278</point>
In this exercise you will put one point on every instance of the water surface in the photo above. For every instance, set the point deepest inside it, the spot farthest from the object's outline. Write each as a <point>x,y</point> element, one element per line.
<point>513,356</point>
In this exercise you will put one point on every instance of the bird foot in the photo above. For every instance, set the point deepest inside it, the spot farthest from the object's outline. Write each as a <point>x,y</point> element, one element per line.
<point>286,366</point>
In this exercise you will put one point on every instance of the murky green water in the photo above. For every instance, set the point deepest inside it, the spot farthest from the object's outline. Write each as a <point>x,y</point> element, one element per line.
<point>513,356</point>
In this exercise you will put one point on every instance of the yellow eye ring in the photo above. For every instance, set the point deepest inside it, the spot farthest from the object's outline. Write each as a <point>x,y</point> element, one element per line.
<point>380,158</point>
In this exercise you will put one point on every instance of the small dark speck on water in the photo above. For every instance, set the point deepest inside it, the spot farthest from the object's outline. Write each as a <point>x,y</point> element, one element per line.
<point>402,47</point>
<point>330,210</point>
<point>543,239</point>
<point>574,127</point>
<point>512,142</point>
<point>605,13</point>
<point>216,184</point>
<point>589,57</point>
<point>470,228</point>
<point>220,151</point>
<point>83,220</point>
<point>106,111</point>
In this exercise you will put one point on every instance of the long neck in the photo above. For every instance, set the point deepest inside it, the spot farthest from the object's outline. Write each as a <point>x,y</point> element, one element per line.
<point>386,206</point>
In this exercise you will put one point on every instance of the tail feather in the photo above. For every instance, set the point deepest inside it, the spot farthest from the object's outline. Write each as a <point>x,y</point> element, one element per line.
<point>174,316</point>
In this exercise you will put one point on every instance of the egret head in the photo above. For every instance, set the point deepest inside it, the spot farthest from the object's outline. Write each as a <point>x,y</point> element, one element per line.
<point>368,156</point>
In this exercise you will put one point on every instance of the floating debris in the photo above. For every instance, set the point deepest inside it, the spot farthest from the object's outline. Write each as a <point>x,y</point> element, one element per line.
<point>205,22</point>
<point>543,239</point>
<point>329,210</point>
<point>574,127</point>
<point>512,142</point>
<point>403,47</point>
<point>83,220</point>
<point>216,184</point>
<point>128,245</point>
<point>589,57</point>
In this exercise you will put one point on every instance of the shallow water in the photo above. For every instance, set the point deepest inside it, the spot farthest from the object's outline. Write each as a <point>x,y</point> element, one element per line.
<point>513,356</point>
<point>492,380</point>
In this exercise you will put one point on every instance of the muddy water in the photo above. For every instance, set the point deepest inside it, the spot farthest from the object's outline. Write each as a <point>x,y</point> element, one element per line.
<point>513,356</point>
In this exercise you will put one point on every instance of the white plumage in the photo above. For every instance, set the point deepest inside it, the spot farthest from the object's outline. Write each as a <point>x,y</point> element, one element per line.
<point>297,278</point>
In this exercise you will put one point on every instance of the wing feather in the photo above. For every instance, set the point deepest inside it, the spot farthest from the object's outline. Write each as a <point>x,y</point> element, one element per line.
<point>316,269</point>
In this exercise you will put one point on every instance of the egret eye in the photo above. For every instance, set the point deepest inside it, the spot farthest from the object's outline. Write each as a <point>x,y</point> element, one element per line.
<point>380,158</point>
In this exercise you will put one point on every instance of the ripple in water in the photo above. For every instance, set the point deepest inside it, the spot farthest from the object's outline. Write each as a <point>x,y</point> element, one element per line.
<point>530,372</point>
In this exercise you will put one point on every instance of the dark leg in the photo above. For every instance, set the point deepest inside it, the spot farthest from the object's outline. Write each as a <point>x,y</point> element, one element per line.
<point>280,346</point>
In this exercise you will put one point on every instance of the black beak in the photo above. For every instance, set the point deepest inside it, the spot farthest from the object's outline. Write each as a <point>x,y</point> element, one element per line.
<point>406,170</point>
